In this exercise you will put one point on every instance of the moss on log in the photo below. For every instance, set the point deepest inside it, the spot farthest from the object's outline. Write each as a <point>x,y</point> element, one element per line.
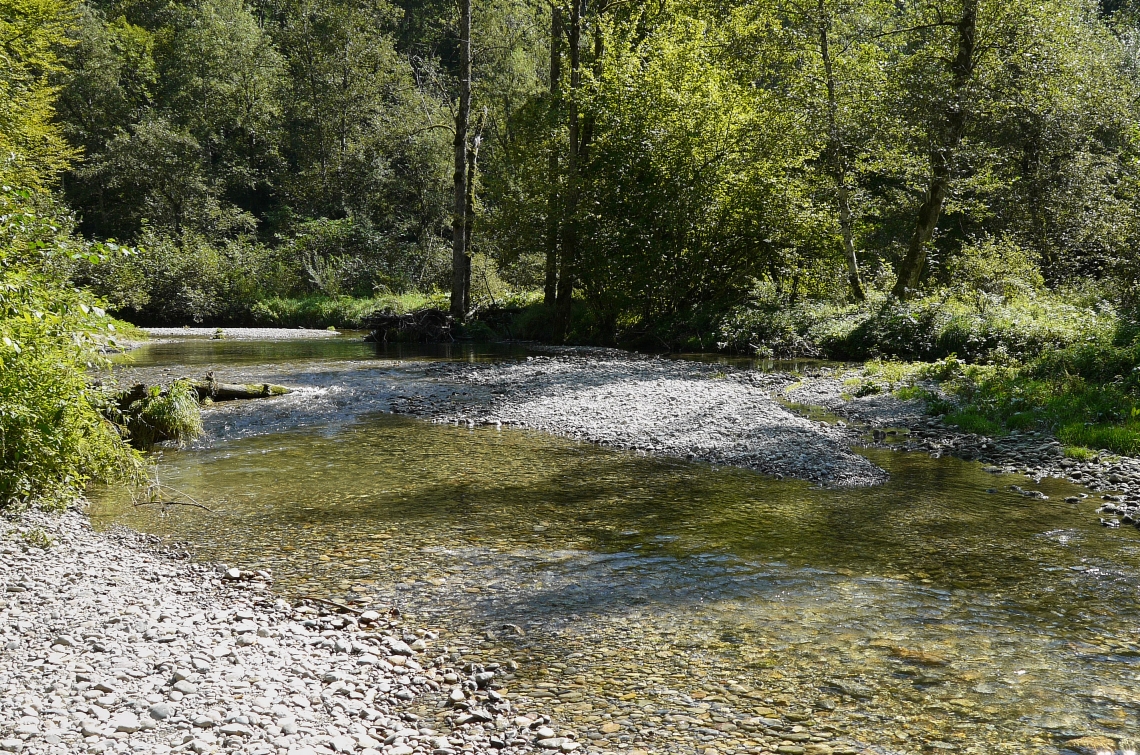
<point>215,391</point>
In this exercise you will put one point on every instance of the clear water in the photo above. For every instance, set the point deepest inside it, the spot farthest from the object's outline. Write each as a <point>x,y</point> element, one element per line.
<point>924,615</point>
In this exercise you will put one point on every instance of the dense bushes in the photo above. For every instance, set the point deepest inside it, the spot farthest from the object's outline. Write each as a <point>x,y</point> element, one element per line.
<point>53,438</point>
<point>926,329</point>
<point>327,273</point>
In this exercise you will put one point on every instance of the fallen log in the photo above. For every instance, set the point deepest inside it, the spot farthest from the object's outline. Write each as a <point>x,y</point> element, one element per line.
<point>215,391</point>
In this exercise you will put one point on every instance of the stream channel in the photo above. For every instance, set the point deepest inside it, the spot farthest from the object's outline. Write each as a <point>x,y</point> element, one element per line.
<point>657,604</point>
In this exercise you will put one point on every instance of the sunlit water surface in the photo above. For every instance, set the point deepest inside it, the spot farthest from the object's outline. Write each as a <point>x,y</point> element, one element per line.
<point>924,615</point>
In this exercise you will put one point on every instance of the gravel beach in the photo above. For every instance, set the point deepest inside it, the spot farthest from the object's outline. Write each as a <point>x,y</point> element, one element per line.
<point>660,406</point>
<point>113,646</point>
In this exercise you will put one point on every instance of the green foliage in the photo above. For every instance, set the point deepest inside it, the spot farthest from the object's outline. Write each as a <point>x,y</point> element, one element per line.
<point>32,149</point>
<point>1087,394</point>
<point>929,328</point>
<point>1080,453</point>
<point>163,414</point>
<point>340,312</point>
<point>350,257</point>
<point>53,439</point>
<point>1117,439</point>
<point>973,421</point>
<point>174,280</point>
<point>993,271</point>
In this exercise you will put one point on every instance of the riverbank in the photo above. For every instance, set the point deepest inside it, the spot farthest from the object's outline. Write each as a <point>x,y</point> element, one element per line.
<point>905,424</point>
<point>112,645</point>
<point>242,334</point>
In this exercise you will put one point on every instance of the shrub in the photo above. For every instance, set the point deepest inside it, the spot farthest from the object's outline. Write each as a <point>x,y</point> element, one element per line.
<point>931,328</point>
<point>349,257</point>
<point>53,439</point>
<point>161,414</point>
<point>189,279</point>
<point>992,270</point>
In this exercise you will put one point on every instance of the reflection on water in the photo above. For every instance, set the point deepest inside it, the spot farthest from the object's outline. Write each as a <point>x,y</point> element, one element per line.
<point>922,614</point>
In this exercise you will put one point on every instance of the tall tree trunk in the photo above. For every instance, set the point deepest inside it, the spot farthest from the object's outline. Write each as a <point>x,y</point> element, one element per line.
<point>569,252</point>
<point>942,155</point>
<point>469,212</point>
<point>550,290</point>
<point>839,159</point>
<point>459,263</point>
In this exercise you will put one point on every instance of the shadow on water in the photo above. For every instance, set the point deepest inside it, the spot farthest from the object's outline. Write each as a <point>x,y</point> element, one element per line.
<point>348,346</point>
<point>989,619</point>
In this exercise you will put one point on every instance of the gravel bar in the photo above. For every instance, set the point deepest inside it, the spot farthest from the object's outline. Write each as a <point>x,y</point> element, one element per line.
<point>112,646</point>
<point>243,334</point>
<point>661,406</point>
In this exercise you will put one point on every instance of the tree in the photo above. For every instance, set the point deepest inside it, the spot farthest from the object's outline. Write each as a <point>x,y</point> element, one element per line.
<point>53,439</point>
<point>837,153</point>
<point>460,261</point>
<point>943,149</point>
<point>550,281</point>
<point>33,152</point>
<point>568,256</point>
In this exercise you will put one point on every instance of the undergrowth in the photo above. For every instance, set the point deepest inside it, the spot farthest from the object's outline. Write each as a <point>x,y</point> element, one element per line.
<point>925,329</point>
<point>1087,395</point>
<point>320,311</point>
<point>163,414</point>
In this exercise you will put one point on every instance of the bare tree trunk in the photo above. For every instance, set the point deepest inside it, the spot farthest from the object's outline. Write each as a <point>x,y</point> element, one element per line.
<point>839,160</point>
<point>469,212</point>
<point>942,155</point>
<point>569,252</point>
<point>459,262</point>
<point>550,290</point>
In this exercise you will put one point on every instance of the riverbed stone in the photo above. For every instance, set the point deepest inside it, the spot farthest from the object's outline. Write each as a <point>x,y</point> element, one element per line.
<point>102,690</point>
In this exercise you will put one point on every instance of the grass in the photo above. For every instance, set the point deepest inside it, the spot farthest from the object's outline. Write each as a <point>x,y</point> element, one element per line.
<point>1122,440</point>
<point>338,311</point>
<point>162,414</point>
<point>970,420</point>
<point>1080,453</point>
<point>1087,395</point>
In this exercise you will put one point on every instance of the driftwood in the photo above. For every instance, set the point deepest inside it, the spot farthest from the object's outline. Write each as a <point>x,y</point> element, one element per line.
<point>215,391</point>
<point>423,326</point>
<point>164,504</point>
<point>211,389</point>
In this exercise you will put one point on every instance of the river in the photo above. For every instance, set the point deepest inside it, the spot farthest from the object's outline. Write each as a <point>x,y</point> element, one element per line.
<point>657,604</point>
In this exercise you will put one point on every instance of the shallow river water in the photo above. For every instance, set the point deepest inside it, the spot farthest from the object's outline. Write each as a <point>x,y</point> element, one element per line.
<point>682,606</point>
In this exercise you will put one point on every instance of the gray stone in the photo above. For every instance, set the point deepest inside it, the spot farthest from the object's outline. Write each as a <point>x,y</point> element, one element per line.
<point>161,711</point>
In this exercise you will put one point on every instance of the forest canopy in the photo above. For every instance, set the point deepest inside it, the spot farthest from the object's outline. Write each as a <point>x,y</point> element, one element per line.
<point>645,166</point>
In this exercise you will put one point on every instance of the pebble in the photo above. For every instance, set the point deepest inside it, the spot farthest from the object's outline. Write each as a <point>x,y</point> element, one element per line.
<point>113,646</point>
<point>661,406</point>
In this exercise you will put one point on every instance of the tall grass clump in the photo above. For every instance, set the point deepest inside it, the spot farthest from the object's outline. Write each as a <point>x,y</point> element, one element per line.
<point>163,414</point>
